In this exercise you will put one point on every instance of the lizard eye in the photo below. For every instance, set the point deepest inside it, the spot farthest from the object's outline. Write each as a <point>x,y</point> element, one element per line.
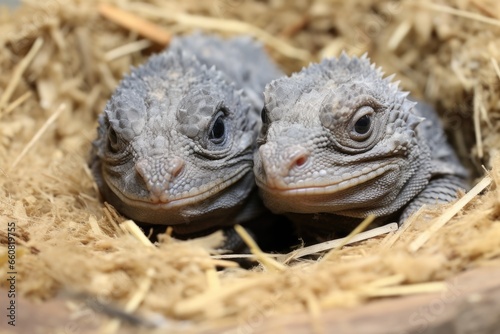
<point>362,124</point>
<point>113,141</point>
<point>217,133</point>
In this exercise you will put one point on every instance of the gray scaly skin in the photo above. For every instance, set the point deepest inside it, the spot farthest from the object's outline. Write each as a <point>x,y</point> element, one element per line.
<point>340,142</point>
<point>176,140</point>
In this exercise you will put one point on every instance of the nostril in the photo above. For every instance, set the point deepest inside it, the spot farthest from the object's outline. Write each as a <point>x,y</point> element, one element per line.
<point>298,156</point>
<point>177,166</point>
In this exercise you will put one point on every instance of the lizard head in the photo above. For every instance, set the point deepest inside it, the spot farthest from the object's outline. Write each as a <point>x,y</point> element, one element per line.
<point>174,138</point>
<point>337,137</point>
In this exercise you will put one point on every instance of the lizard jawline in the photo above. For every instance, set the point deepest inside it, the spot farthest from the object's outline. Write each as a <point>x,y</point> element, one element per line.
<point>327,188</point>
<point>183,201</point>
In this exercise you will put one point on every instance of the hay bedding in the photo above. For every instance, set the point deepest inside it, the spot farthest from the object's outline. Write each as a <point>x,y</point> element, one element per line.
<point>60,60</point>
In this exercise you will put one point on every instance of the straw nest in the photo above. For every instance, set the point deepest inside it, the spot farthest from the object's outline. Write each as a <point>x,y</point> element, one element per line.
<point>61,59</point>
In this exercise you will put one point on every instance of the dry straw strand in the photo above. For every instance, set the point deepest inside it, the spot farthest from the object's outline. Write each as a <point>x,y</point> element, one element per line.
<point>268,262</point>
<point>95,226</point>
<point>112,218</point>
<point>361,227</point>
<point>16,103</point>
<point>135,23</point>
<point>477,122</point>
<point>494,62</point>
<point>216,309</point>
<point>134,302</point>
<point>460,13</point>
<point>38,135</point>
<point>337,243</point>
<point>484,8</point>
<point>314,309</point>
<point>403,228</point>
<point>430,287</point>
<point>127,49</point>
<point>210,23</point>
<point>386,281</point>
<point>448,214</point>
<point>198,303</point>
<point>399,34</point>
<point>18,72</point>
<point>131,227</point>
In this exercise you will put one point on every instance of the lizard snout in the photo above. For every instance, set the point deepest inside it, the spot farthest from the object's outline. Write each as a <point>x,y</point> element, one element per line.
<point>279,163</point>
<point>158,174</point>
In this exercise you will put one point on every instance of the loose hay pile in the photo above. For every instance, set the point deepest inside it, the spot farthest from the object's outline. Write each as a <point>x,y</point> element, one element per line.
<point>60,61</point>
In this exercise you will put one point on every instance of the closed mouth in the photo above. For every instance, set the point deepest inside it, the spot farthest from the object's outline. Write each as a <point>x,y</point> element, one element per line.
<point>185,200</point>
<point>304,189</point>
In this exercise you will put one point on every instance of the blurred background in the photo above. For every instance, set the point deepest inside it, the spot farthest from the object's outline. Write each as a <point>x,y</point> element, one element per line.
<point>11,3</point>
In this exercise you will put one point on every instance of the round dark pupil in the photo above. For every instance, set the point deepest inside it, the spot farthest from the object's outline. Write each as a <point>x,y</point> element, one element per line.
<point>218,129</point>
<point>362,125</point>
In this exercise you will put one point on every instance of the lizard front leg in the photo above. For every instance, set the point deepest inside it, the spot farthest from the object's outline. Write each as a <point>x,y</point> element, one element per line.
<point>440,190</point>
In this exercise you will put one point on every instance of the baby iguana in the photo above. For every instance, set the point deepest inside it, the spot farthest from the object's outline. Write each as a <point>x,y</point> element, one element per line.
<point>176,140</point>
<point>340,142</point>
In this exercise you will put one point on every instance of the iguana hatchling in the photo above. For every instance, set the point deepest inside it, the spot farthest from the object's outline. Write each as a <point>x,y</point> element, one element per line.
<point>176,139</point>
<point>339,142</point>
